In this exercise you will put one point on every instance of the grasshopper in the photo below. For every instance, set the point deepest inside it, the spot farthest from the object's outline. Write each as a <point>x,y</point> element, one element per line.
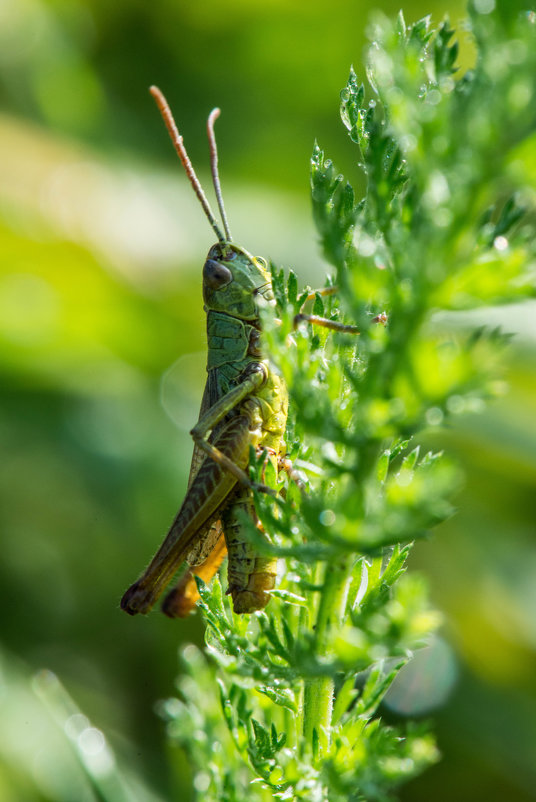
<point>244,405</point>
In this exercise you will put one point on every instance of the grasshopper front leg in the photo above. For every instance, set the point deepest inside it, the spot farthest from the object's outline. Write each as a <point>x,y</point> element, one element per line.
<point>334,325</point>
<point>326,323</point>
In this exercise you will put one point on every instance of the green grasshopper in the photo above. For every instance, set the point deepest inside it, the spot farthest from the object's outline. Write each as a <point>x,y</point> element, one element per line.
<point>244,405</point>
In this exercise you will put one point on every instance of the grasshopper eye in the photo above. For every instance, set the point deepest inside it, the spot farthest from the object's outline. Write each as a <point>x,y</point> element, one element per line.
<point>216,275</point>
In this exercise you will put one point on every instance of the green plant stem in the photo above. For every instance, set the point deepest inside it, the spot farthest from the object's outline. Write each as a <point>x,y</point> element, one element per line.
<point>300,718</point>
<point>318,700</point>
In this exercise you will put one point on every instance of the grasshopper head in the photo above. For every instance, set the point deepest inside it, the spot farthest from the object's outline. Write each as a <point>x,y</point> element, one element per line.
<point>234,281</point>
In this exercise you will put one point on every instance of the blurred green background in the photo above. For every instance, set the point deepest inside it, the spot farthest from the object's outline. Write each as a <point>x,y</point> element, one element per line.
<point>101,247</point>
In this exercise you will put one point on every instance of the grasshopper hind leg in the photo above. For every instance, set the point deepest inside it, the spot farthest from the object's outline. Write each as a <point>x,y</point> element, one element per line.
<point>182,599</point>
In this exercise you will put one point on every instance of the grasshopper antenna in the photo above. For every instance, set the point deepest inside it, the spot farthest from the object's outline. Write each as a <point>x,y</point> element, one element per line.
<point>178,144</point>
<point>212,117</point>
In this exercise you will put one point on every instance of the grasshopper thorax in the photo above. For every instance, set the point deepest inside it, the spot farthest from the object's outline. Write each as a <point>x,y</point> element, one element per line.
<point>235,282</point>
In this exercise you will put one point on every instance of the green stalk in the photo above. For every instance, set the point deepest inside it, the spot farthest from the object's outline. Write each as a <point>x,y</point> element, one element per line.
<point>318,701</point>
<point>300,717</point>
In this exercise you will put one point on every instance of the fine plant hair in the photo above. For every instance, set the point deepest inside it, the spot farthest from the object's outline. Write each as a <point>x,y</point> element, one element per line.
<point>286,703</point>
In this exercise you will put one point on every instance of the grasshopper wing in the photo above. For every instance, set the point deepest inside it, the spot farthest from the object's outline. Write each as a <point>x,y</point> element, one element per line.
<point>208,491</point>
<point>209,550</point>
<point>198,457</point>
<point>208,538</point>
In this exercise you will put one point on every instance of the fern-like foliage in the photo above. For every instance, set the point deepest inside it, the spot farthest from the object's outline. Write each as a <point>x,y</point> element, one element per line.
<point>285,704</point>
